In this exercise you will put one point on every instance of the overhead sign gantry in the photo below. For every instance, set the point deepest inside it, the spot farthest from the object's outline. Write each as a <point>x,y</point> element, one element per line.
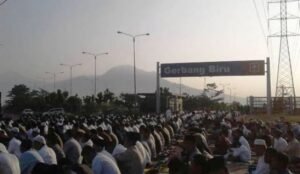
<point>223,68</point>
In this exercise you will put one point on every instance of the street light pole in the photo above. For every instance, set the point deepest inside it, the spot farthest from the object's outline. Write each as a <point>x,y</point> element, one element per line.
<point>95,70</point>
<point>95,77</point>
<point>224,85</point>
<point>71,74</point>
<point>54,78</point>
<point>134,64</point>
<point>134,72</point>
<point>230,94</point>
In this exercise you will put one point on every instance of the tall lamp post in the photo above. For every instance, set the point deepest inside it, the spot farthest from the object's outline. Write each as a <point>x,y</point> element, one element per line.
<point>224,85</point>
<point>231,89</point>
<point>134,67</point>
<point>95,57</point>
<point>54,78</point>
<point>71,74</point>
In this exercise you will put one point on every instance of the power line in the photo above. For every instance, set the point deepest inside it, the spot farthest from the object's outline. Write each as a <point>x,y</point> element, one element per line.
<point>1,3</point>
<point>260,24</point>
<point>264,10</point>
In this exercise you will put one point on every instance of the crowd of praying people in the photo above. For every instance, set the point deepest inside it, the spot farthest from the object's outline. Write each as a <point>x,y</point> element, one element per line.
<point>202,142</point>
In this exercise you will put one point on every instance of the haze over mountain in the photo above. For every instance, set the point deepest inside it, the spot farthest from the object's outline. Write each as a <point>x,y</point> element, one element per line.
<point>118,80</point>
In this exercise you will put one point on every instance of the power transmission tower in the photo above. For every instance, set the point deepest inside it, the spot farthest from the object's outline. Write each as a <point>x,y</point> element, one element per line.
<point>285,90</point>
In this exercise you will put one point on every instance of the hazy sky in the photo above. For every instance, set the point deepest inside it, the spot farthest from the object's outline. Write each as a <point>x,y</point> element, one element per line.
<point>38,35</point>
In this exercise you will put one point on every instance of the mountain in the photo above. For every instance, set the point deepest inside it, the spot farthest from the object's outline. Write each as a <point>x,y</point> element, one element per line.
<point>118,80</point>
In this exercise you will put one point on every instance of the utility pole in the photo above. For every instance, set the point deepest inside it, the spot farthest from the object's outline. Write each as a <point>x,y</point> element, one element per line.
<point>134,64</point>
<point>94,55</point>
<point>71,74</point>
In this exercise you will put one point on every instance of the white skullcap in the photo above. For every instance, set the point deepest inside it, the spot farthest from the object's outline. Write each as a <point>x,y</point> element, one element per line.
<point>37,130</point>
<point>15,130</point>
<point>40,139</point>
<point>260,142</point>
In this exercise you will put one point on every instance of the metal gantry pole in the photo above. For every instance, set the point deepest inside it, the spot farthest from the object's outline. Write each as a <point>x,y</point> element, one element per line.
<point>157,88</point>
<point>180,86</point>
<point>71,77</point>
<point>269,98</point>
<point>54,81</point>
<point>95,77</point>
<point>134,73</point>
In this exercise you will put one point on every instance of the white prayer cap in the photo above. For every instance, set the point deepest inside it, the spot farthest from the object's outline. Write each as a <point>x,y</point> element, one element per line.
<point>40,139</point>
<point>15,130</point>
<point>37,130</point>
<point>260,142</point>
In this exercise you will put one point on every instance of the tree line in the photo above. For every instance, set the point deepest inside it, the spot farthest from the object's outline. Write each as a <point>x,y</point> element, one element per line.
<point>21,97</point>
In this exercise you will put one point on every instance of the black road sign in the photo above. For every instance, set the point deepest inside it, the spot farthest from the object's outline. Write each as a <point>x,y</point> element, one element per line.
<point>229,68</point>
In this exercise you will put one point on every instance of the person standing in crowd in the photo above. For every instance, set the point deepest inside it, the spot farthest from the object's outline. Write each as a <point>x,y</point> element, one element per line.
<point>190,147</point>
<point>54,141</point>
<point>9,163</point>
<point>29,157</point>
<point>97,160</point>
<point>14,143</point>
<point>130,161</point>
<point>72,148</point>
<point>146,159</point>
<point>47,153</point>
<point>293,148</point>
<point>280,143</point>
<point>147,141</point>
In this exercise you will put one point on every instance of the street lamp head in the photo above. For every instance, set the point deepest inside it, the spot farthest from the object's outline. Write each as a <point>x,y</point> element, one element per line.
<point>106,53</point>
<point>147,34</point>
<point>62,64</point>
<point>119,32</point>
<point>83,52</point>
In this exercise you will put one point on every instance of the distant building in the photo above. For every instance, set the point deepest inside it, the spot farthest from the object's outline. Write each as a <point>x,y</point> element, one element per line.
<point>175,103</point>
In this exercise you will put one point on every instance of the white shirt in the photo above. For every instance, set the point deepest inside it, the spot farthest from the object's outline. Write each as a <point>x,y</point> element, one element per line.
<point>119,149</point>
<point>87,143</point>
<point>14,147</point>
<point>244,142</point>
<point>3,148</point>
<point>102,164</point>
<point>242,152</point>
<point>9,164</point>
<point>280,144</point>
<point>144,154</point>
<point>48,155</point>
<point>73,149</point>
<point>261,167</point>
<point>108,155</point>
